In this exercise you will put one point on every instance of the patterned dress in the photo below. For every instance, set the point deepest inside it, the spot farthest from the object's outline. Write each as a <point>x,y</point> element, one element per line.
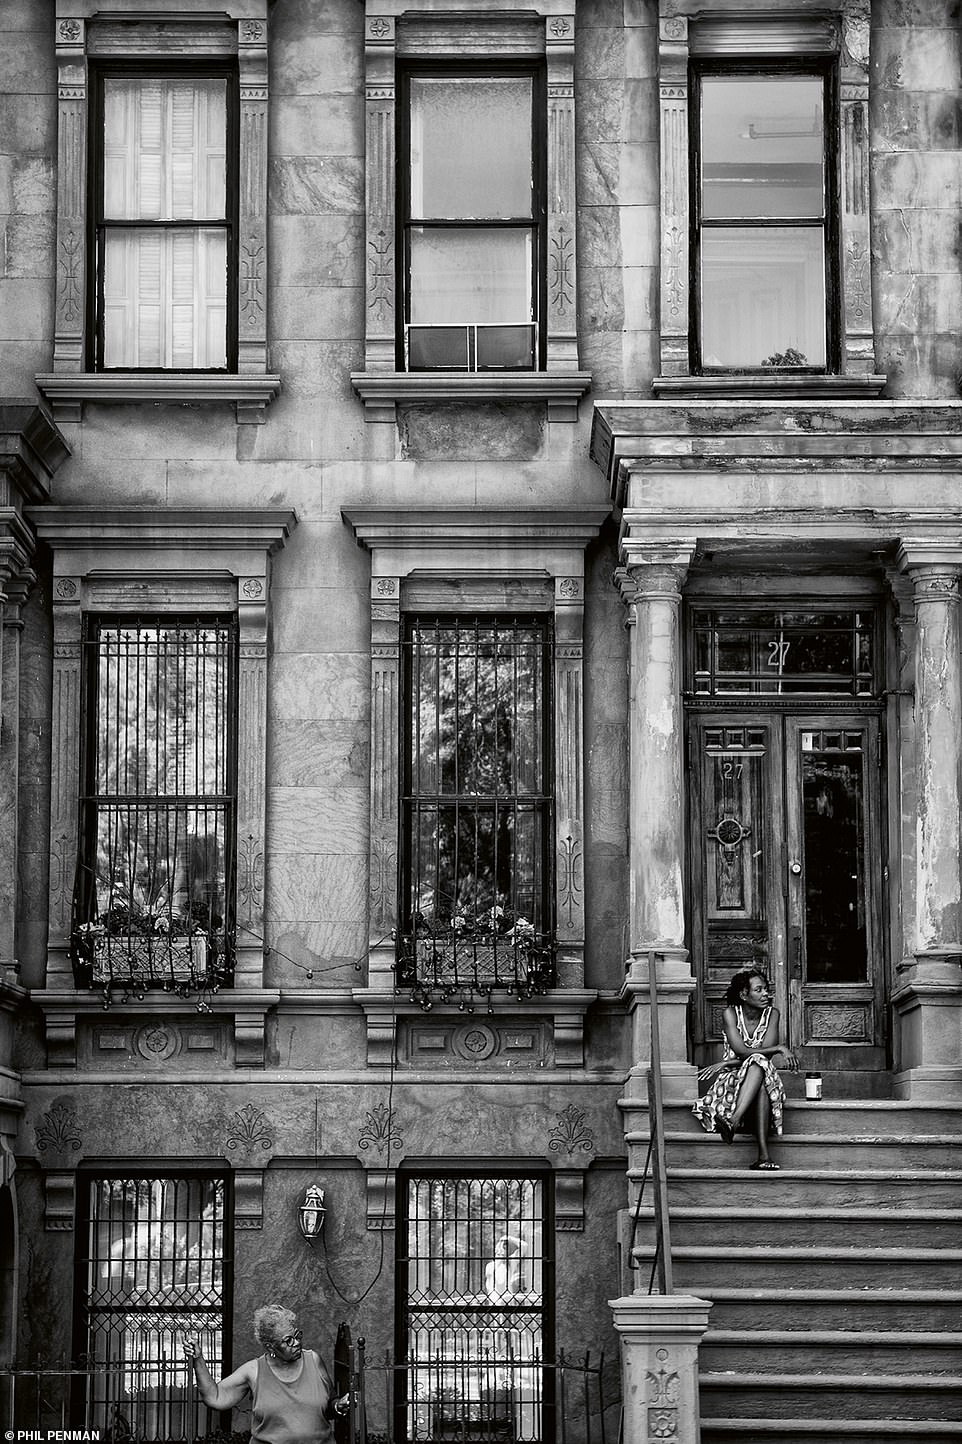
<point>720,1100</point>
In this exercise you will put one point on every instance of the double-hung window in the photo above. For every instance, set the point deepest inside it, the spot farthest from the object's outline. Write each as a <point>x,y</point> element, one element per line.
<point>764,232</point>
<point>165,199</point>
<point>473,219</point>
<point>154,893</point>
<point>477,803</point>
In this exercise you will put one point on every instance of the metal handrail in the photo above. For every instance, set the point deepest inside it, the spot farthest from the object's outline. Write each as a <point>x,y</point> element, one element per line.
<point>655,1161</point>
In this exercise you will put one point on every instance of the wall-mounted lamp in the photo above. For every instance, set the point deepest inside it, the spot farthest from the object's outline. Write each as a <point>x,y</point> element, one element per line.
<point>312,1213</point>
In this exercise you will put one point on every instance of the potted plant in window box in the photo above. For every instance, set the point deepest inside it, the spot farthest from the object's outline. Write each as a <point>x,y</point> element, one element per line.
<point>479,951</point>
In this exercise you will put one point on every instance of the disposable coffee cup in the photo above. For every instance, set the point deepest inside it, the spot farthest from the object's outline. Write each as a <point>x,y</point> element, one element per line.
<point>813,1087</point>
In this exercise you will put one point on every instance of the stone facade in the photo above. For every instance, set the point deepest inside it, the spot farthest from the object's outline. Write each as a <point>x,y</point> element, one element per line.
<point>341,486</point>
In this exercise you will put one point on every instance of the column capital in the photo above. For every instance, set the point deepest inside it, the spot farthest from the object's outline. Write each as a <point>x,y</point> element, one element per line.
<point>649,572</point>
<point>933,568</point>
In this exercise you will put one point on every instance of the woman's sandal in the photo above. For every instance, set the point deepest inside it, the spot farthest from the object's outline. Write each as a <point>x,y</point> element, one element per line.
<point>766,1165</point>
<point>726,1131</point>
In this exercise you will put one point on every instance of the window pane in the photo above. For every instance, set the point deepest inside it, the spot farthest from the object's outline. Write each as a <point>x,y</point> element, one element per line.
<point>165,298</point>
<point>165,149</point>
<point>480,275</point>
<point>763,297</point>
<point>470,147</point>
<point>762,147</point>
<point>834,832</point>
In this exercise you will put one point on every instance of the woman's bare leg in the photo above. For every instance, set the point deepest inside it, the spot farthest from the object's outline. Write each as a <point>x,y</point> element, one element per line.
<point>747,1093</point>
<point>763,1115</point>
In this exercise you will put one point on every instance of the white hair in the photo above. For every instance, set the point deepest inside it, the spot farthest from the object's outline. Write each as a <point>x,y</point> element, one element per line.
<point>272,1323</point>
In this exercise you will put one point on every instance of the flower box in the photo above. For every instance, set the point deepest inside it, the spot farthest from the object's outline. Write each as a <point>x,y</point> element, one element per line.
<point>150,960</point>
<point>466,962</point>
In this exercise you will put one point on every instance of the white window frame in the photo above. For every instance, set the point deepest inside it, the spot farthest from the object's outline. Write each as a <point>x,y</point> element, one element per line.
<point>688,30</point>
<point>169,31</point>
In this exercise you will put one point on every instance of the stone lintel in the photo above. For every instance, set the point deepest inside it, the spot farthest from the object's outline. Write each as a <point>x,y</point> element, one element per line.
<point>116,530</point>
<point>529,532</point>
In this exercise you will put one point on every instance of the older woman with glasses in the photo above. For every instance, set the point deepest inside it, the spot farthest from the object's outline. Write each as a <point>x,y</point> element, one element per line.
<point>291,1389</point>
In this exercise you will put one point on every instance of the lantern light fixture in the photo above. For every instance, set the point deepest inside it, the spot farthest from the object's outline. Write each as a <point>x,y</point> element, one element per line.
<point>312,1213</point>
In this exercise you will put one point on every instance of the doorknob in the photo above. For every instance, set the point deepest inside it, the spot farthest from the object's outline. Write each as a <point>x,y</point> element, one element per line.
<point>795,867</point>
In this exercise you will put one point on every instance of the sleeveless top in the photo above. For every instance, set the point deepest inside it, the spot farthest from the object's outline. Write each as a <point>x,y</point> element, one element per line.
<point>292,1413</point>
<point>751,1039</point>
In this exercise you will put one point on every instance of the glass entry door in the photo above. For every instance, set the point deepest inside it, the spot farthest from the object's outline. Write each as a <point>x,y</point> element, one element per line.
<point>785,876</point>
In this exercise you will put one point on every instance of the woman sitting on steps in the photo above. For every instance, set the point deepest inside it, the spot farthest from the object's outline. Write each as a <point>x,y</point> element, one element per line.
<point>746,1086</point>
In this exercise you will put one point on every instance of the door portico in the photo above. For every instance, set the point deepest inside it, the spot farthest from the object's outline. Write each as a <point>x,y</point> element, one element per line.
<point>852,802</point>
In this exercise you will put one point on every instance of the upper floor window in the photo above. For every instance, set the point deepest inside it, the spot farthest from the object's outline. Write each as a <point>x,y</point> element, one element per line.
<point>766,256</point>
<point>156,866</point>
<point>166,192</point>
<point>477,803</point>
<point>473,220</point>
<point>764,224</point>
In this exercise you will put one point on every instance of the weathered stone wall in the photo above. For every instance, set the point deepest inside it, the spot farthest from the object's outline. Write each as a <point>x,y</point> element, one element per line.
<point>917,194</point>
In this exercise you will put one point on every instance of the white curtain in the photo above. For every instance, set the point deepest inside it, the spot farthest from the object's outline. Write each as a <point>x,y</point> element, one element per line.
<point>165,289</point>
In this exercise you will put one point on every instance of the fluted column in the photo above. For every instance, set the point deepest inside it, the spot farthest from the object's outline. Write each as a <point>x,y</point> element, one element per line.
<point>651,585</point>
<point>929,998</point>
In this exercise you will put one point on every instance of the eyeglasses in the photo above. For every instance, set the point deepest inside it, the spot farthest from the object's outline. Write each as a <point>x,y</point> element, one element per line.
<point>292,1339</point>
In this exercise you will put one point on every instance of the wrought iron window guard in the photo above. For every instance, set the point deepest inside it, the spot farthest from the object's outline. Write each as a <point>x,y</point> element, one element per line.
<point>108,957</point>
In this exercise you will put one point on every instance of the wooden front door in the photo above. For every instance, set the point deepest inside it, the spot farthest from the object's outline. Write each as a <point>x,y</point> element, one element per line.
<point>785,876</point>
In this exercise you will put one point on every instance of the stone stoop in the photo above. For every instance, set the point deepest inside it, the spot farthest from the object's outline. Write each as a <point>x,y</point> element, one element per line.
<point>836,1283</point>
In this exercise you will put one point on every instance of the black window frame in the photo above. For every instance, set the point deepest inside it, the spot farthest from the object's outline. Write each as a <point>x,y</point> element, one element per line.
<point>134,1170</point>
<point>800,67</point>
<point>183,69</point>
<point>407,810</point>
<point>90,801</point>
<point>470,1170</point>
<point>536,223</point>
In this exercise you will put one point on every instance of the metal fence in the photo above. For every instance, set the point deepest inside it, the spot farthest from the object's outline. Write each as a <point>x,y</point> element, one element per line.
<point>468,1401</point>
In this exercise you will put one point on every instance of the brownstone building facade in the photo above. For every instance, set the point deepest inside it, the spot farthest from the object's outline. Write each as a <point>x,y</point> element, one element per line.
<point>480,523</point>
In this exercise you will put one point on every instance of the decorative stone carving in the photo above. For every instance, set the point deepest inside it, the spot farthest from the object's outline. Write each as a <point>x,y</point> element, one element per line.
<point>475,1042</point>
<point>157,1042</point>
<point>380,1131</point>
<point>249,1131</point>
<point>57,1133</point>
<point>570,1134</point>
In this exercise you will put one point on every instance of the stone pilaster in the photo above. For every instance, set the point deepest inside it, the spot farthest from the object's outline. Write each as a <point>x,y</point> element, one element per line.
<point>15,592</point>
<point>928,999</point>
<point>65,774</point>
<point>562,301</point>
<point>252,192</point>
<point>651,585</point>
<point>858,344</point>
<point>252,612</point>
<point>673,100</point>
<point>380,338</point>
<point>569,613</point>
<point>385,725</point>
<point>68,346</point>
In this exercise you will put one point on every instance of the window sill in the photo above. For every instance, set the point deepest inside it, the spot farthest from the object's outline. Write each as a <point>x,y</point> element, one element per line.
<point>245,1009</point>
<point>66,393</point>
<point>382,391</point>
<point>781,385</point>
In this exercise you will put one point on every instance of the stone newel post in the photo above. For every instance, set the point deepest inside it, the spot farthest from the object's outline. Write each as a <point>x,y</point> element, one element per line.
<point>928,998</point>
